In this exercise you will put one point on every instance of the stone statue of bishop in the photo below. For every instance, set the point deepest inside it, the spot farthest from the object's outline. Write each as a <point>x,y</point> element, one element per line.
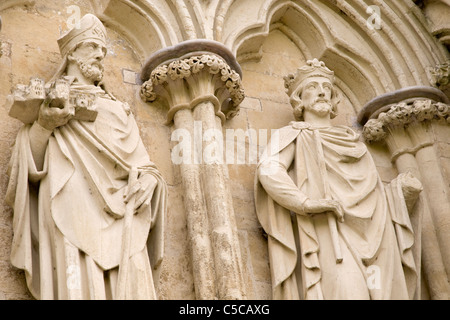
<point>75,173</point>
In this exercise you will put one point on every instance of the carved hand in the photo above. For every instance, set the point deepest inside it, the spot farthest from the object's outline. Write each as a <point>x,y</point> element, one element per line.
<point>52,116</point>
<point>411,188</point>
<point>323,206</point>
<point>142,190</point>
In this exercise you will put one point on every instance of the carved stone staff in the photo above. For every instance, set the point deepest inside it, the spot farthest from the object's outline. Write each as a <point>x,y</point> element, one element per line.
<point>331,218</point>
<point>126,240</point>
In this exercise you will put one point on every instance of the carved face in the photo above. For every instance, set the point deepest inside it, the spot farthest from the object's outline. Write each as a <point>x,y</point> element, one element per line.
<point>316,95</point>
<point>89,57</point>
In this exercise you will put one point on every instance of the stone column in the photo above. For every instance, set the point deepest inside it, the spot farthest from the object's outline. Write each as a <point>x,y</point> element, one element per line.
<point>402,120</point>
<point>200,82</point>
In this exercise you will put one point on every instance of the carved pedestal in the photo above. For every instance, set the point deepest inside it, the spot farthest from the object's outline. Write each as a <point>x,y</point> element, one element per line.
<point>403,120</point>
<point>200,82</point>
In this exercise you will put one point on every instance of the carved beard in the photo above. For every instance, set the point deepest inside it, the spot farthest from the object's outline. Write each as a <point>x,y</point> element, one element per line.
<point>320,108</point>
<point>92,71</point>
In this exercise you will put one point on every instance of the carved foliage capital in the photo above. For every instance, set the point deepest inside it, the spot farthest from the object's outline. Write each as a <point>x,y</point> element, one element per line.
<point>184,68</point>
<point>403,114</point>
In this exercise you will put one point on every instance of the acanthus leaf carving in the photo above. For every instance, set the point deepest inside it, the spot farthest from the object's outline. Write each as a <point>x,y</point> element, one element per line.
<point>403,114</point>
<point>184,68</point>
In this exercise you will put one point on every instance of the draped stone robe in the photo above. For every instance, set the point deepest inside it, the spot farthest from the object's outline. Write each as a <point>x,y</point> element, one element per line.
<point>68,217</point>
<point>302,259</point>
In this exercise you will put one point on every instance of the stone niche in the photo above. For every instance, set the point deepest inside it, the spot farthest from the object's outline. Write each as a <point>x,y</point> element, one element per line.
<point>268,40</point>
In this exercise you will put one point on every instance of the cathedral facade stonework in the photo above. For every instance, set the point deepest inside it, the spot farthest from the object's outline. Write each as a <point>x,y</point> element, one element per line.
<point>264,149</point>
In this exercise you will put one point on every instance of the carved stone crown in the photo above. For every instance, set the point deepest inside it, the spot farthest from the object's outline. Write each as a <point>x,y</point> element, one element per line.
<point>90,29</point>
<point>313,68</point>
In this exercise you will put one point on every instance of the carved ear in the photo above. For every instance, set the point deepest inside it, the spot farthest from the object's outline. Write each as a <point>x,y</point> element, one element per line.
<point>70,57</point>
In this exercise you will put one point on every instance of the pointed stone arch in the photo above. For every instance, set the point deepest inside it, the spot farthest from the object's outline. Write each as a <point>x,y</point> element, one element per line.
<point>397,55</point>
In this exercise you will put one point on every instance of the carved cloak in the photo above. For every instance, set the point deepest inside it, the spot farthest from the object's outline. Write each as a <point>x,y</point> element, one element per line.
<point>68,217</point>
<point>301,256</point>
